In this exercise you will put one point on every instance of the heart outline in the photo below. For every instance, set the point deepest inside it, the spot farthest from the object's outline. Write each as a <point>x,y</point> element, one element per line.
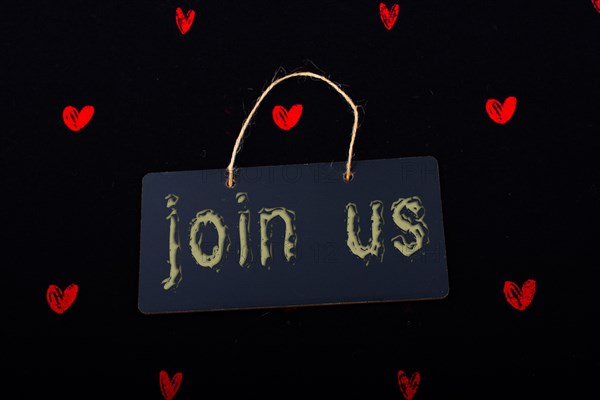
<point>169,386</point>
<point>61,300</point>
<point>501,113</point>
<point>184,21</point>
<point>408,387</point>
<point>519,297</point>
<point>286,119</point>
<point>76,120</point>
<point>388,17</point>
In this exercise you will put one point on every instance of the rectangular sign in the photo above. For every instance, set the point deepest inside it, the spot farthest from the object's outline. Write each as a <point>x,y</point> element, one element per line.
<point>292,235</point>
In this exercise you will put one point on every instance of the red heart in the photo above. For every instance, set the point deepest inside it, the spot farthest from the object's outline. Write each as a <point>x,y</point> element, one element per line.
<point>388,17</point>
<point>519,298</point>
<point>169,387</point>
<point>596,4</point>
<point>408,387</point>
<point>60,301</point>
<point>75,120</point>
<point>184,22</point>
<point>285,119</point>
<point>501,113</point>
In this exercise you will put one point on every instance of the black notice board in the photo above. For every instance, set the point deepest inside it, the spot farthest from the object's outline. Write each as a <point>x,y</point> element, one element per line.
<point>519,198</point>
<point>296,222</point>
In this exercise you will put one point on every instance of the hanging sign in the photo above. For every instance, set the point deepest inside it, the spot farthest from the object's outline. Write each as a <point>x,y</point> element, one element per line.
<point>292,235</point>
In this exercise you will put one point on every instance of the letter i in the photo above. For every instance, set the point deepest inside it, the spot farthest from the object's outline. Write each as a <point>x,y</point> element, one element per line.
<point>244,228</point>
<point>175,274</point>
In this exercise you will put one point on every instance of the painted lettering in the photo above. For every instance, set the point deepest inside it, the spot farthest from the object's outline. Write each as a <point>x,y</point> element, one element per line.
<point>374,247</point>
<point>203,218</point>
<point>290,238</point>
<point>408,215</point>
<point>174,245</point>
<point>244,232</point>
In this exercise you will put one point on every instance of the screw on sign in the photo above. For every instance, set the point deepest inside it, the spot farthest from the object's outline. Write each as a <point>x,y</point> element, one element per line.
<point>408,387</point>
<point>388,16</point>
<point>285,119</point>
<point>168,386</point>
<point>59,300</point>
<point>519,297</point>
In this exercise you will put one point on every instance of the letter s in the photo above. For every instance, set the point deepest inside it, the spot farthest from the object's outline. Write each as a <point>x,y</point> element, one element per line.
<point>408,215</point>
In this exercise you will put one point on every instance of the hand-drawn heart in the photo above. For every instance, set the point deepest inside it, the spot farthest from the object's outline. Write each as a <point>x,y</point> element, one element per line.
<point>408,387</point>
<point>59,300</point>
<point>184,22</point>
<point>596,4</point>
<point>519,298</point>
<point>285,119</point>
<point>76,120</point>
<point>169,387</point>
<point>501,113</point>
<point>388,17</point>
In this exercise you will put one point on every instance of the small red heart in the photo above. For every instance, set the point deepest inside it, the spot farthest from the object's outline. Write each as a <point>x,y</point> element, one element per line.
<point>76,120</point>
<point>388,17</point>
<point>519,298</point>
<point>184,22</point>
<point>285,119</point>
<point>169,387</point>
<point>408,387</point>
<point>596,4</point>
<point>501,113</point>
<point>60,300</point>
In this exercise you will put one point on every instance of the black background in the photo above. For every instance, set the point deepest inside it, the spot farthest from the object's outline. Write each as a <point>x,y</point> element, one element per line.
<point>519,200</point>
